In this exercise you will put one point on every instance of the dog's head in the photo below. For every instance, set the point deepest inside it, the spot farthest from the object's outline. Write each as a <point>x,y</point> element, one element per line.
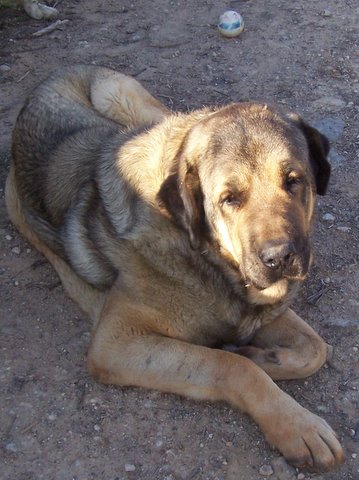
<point>246,181</point>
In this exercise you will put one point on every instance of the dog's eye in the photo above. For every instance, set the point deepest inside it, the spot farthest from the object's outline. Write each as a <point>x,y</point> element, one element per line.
<point>292,181</point>
<point>231,200</point>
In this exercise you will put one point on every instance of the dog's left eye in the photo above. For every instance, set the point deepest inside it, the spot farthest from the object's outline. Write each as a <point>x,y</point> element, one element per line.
<point>292,181</point>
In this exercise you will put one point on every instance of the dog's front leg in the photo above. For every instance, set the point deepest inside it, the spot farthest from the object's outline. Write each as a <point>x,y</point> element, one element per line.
<point>130,347</point>
<point>287,348</point>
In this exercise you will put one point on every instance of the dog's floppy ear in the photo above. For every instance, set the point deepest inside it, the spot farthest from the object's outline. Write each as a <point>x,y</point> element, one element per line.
<point>181,196</point>
<point>319,147</point>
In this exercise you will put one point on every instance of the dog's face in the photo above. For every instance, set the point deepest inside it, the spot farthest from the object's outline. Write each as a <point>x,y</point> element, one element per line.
<point>246,183</point>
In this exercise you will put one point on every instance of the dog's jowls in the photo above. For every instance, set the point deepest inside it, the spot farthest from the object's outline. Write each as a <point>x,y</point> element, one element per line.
<point>178,234</point>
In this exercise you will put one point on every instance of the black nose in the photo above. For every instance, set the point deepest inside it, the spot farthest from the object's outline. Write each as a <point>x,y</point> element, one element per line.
<point>277,254</point>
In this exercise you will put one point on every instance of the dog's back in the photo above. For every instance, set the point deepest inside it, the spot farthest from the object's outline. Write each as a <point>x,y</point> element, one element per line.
<point>64,126</point>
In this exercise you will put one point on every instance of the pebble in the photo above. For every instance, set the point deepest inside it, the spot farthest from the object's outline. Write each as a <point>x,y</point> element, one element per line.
<point>8,237</point>
<point>266,471</point>
<point>300,476</point>
<point>11,447</point>
<point>4,68</point>
<point>129,467</point>
<point>327,13</point>
<point>355,349</point>
<point>328,217</point>
<point>283,470</point>
<point>16,250</point>
<point>344,229</point>
<point>16,283</point>
<point>354,455</point>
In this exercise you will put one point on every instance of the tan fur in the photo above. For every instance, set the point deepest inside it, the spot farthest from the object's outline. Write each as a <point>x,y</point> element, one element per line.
<point>164,288</point>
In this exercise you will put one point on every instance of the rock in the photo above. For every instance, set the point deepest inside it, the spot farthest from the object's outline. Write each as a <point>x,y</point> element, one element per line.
<point>327,13</point>
<point>344,229</point>
<point>11,447</point>
<point>4,68</point>
<point>129,467</point>
<point>16,250</point>
<point>328,217</point>
<point>331,127</point>
<point>8,237</point>
<point>300,476</point>
<point>266,471</point>
<point>283,470</point>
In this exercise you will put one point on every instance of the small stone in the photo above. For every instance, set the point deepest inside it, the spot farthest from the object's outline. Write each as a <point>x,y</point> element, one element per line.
<point>11,447</point>
<point>4,68</point>
<point>283,470</point>
<point>328,217</point>
<point>16,283</point>
<point>355,349</point>
<point>327,13</point>
<point>97,428</point>
<point>159,444</point>
<point>354,455</point>
<point>322,408</point>
<point>344,229</point>
<point>8,237</point>
<point>52,417</point>
<point>266,471</point>
<point>129,467</point>
<point>300,476</point>
<point>16,250</point>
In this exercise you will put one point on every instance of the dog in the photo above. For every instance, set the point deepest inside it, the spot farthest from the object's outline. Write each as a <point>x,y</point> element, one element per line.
<point>184,237</point>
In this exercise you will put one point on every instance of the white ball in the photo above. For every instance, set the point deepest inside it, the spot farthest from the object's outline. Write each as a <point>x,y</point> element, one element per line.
<point>230,24</point>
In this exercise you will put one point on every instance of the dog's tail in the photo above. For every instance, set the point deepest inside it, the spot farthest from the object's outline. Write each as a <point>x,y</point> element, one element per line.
<point>123,99</point>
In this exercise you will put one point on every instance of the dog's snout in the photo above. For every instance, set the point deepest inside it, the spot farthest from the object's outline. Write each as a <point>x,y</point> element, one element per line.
<point>277,255</point>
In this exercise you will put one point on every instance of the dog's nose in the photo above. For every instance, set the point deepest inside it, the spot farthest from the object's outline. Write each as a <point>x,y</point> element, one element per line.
<point>277,254</point>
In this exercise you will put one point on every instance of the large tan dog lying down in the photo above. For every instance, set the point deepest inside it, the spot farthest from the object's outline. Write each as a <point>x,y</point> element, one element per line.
<point>178,234</point>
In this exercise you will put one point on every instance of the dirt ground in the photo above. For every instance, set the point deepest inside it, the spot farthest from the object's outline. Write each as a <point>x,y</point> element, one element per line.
<point>55,421</point>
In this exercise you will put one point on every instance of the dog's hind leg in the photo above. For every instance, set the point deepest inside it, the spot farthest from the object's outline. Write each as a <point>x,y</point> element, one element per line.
<point>287,348</point>
<point>124,100</point>
<point>87,297</point>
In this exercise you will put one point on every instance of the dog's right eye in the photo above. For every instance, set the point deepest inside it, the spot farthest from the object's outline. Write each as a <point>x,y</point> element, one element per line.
<point>231,200</point>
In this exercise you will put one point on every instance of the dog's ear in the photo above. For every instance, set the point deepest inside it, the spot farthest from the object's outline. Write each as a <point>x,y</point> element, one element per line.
<point>181,196</point>
<point>319,147</point>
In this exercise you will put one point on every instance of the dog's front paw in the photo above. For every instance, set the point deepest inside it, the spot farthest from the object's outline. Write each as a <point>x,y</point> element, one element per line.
<point>304,439</point>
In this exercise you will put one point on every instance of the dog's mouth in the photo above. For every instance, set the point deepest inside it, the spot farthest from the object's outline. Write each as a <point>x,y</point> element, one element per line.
<point>261,286</point>
<point>264,276</point>
<point>269,295</point>
<point>264,289</point>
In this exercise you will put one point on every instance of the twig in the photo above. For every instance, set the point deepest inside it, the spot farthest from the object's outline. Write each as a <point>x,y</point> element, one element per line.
<point>50,28</point>
<point>24,76</point>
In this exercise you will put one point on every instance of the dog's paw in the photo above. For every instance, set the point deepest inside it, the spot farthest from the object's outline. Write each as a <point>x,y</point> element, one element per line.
<point>305,439</point>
